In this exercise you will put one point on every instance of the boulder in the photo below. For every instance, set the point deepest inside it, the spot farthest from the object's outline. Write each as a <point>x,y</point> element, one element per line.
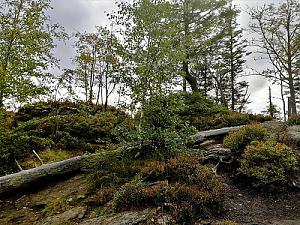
<point>65,217</point>
<point>123,218</point>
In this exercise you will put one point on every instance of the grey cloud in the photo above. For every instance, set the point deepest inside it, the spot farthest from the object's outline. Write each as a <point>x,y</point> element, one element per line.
<point>74,15</point>
<point>77,16</point>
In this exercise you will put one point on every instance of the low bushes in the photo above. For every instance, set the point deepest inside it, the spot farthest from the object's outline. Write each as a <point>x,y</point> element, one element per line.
<point>56,206</point>
<point>16,146</point>
<point>101,196</point>
<point>182,186</point>
<point>57,126</point>
<point>160,133</point>
<point>268,164</point>
<point>55,108</point>
<point>74,132</point>
<point>294,120</point>
<point>204,114</point>
<point>109,169</point>
<point>185,169</point>
<point>238,140</point>
<point>230,119</point>
<point>200,110</point>
<point>259,118</point>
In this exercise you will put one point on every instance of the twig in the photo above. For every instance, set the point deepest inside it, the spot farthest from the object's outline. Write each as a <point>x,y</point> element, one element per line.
<point>19,166</point>
<point>38,156</point>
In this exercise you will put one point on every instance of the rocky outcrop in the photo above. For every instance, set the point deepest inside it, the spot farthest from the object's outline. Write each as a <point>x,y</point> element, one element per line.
<point>64,218</point>
<point>294,134</point>
<point>286,222</point>
<point>124,218</point>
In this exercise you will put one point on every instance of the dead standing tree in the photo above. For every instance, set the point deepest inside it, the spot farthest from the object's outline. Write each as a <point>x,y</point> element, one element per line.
<point>278,34</point>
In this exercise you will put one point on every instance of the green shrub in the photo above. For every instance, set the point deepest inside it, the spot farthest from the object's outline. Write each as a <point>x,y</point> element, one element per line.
<point>182,186</point>
<point>55,108</point>
<point>110,169</point>
<point>204,114</point>
<point>229,119</point>
<point>259,118</point>
<point>72,132</point>
<point>161,133</point>
<point>32,110</point>
<point>200,110</point>
<point>238,140</point>
<point>56,206</point>
<point>269,164</point>
<point>16,146</point>
<point>294,120</point>
<point>101,196</point>
<point>199,105</point>
<point>177,170</point>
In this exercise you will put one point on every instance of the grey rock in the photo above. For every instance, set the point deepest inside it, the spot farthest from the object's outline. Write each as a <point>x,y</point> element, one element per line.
<point>294,133</point>
<point>77,212</point>
<point>287,222</point>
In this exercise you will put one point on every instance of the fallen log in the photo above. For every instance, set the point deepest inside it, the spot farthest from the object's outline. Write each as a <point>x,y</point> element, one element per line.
<point>203,135</point>
<point>45,172</point>
<point>27,178</point>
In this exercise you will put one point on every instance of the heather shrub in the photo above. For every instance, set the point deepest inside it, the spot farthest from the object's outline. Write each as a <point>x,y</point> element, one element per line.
<point>294,119</point>
<point>269,164</point>
<point>238,140</point>
<point>134,195</point>
<point>204,114</point>
<point>177,170</point>
<point>73,132</point>
<point>229,119</point>
<point>101,196</point>
<point>259,118</point>
<point>182,186</point>
<point>55,108</point>
<point>109,169</point>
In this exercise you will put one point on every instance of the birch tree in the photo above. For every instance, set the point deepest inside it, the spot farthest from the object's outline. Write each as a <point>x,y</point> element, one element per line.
<point>26,44</point>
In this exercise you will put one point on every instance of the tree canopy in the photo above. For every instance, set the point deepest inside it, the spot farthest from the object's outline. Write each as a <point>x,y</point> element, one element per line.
<point>26,44</point>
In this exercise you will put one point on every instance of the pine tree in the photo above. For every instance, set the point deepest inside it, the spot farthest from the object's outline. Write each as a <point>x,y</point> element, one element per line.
<point>233,54</point>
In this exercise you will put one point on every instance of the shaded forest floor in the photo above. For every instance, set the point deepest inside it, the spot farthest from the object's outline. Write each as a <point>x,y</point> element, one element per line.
<point>247,206</point>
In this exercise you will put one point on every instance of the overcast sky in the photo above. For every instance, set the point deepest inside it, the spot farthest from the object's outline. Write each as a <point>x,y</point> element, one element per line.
<point>84,15</point>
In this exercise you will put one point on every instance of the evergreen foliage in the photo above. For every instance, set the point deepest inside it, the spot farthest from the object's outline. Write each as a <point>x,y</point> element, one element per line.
<point>268,164</point>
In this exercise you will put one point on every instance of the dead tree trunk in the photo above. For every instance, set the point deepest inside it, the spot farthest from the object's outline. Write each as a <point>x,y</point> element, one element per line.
<point>27,178</point>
